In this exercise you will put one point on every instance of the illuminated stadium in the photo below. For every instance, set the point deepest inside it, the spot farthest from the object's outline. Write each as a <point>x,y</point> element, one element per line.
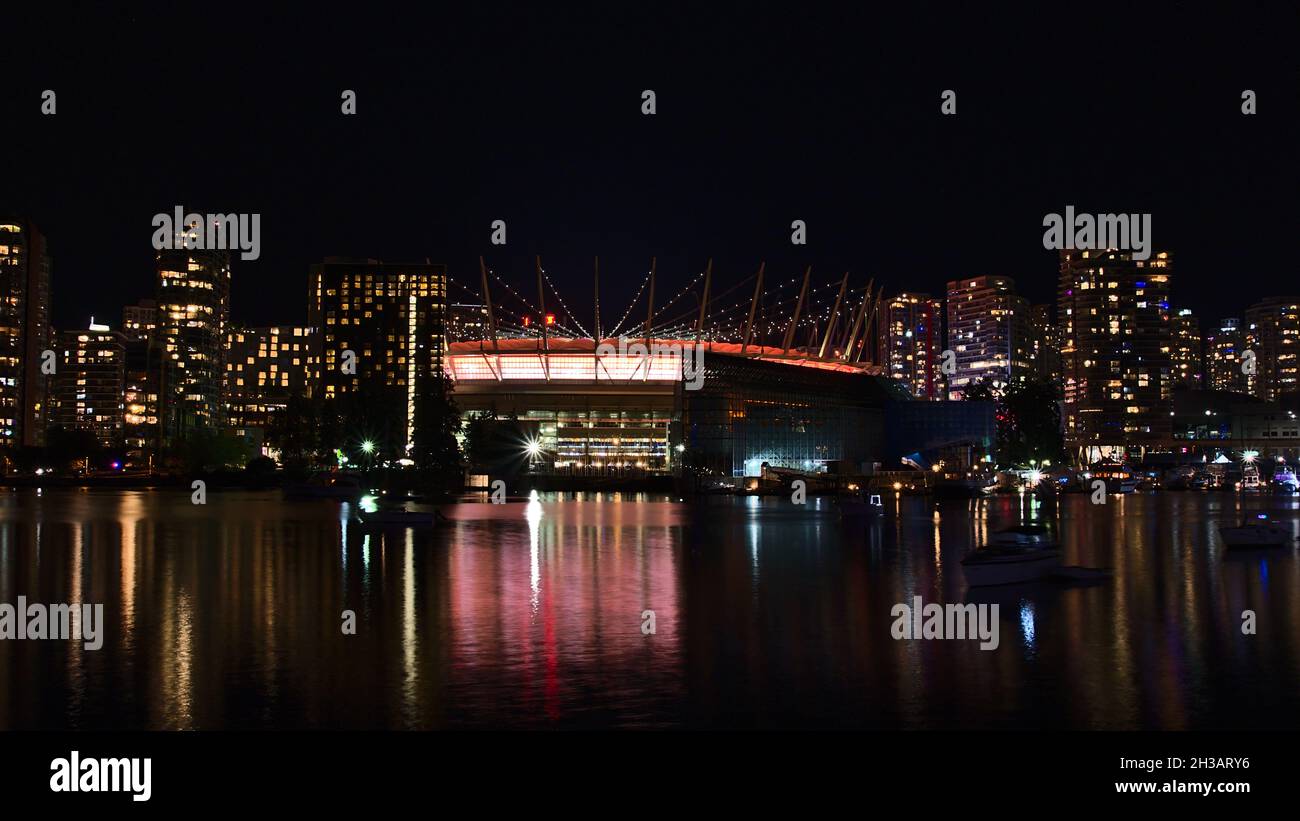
<point>705,392</point>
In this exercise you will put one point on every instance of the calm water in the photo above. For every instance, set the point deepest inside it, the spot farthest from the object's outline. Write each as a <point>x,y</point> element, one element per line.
<point>228,616</point>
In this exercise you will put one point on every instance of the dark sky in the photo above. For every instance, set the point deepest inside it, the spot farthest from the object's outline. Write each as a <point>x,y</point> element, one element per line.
<point>531,114</point>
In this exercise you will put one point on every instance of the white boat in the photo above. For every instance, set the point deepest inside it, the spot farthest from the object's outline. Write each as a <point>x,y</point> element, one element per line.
<point>1250,481</point>
<point>1004,564</point>
<point>1260,533</point>
<point>1118,479</point>
<point>327,485</point>
<point>1284,479</point>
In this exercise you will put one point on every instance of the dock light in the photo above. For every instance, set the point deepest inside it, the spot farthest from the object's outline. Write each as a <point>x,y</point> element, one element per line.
<point>534,447</point>
<point>681,448</point>
<point>898,485</point>
<point>367,447</point>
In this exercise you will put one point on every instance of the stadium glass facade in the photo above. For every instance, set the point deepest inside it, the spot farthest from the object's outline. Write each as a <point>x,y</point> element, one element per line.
<point>749,412</point>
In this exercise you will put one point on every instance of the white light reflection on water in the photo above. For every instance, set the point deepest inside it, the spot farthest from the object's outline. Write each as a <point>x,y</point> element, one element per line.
<point>1027,622</point>
<point>533,512</point>
<point>411,674</point>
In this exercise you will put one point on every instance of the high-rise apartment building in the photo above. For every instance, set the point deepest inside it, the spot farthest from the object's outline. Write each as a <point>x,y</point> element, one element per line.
<point>1273,338</point>
<point>139,321</point>
<point>1045,348</point>
<point>910,343</point>
<point>24,332</point>
<point>1116,345</point>
<point>193,314</point>
<point>989,331</point>
<point>381,329</point>
<point>264,368</point>
<point>1224,349</point>
<point>1186,351</point>
<point>467,323</point>
<point>87,389</point>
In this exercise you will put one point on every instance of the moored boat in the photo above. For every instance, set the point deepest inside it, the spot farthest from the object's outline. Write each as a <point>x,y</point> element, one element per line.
<point>1028,535</point>
<point>1260,533</point>
<point>331,484</point>
<point>1284,479</point>
<point>1006,564</point>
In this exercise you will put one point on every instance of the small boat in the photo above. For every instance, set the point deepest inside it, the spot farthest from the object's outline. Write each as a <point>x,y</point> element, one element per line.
<point>1029,535</point>
<point>1002,564</point>
<point>1284,479</point>
<point>1118,478</point>
<point>1260,533</point>
<point>1250,481</point>
<point>856,507</point>
<point>327,485</point>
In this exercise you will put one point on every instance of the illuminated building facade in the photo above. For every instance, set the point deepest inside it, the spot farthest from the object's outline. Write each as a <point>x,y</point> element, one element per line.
<point>193,314</point>
<point>910,343</point>
<point>87,390</point>
<point>1045,345</point>
<point>381,330</point>
<point>592,415</point>
<point>139,321</point>
<point>1116,343</point>
<point>1273,335</point>
<point>1186,352</point>
<point>24,332</point>
<point>467,323</point>
<point>989,331</point>
<point>1223,352</point>
<point>264,367</point>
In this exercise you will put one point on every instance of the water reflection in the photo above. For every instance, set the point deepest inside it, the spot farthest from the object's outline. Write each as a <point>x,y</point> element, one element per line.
<point>529,614</point>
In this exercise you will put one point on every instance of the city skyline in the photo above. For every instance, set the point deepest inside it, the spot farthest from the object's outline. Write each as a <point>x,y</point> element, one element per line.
<point>737,149</point>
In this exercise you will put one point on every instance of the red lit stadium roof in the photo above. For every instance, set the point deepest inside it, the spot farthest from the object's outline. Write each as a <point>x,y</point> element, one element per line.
<point>463,358</point>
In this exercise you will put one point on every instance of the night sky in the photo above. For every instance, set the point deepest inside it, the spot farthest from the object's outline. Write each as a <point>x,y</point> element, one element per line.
<point>532,114</point>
